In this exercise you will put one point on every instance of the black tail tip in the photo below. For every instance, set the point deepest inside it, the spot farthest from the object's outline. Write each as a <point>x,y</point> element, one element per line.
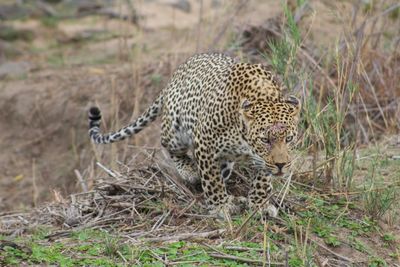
<point>94,113</point>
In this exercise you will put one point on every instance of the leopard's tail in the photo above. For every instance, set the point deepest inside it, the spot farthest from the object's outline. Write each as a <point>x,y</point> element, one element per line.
<point>133,128</point>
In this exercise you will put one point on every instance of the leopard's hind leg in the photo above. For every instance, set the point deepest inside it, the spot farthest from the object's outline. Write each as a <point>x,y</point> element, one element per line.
<point>185,166</point>
<point>178,143</point>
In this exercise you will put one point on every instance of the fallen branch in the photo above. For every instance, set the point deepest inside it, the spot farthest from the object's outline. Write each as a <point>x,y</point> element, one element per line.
<point>332,252</point>
<point>185,236</point>
<point>245,260</point>
<point>238,248</point>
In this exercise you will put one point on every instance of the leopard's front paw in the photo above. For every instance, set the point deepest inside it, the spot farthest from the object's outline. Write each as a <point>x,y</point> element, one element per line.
<point>266,211</point>
<point>233,205</point>
<point>270,211</point>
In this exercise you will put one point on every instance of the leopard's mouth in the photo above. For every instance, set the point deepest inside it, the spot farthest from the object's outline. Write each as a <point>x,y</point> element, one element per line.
<point>278,172</point>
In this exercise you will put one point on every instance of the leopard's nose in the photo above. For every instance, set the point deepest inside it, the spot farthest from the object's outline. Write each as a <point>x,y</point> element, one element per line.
<point>280,165</point>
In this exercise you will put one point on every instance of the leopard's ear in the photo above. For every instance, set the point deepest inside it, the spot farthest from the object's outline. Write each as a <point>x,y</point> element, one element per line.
<point>295,103</point>
<point>245,109</point>
<point>267,67</point>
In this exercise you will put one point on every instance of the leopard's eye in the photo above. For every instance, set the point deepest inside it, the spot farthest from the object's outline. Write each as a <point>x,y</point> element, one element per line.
<point>289,138</point>
<point>265,140</point>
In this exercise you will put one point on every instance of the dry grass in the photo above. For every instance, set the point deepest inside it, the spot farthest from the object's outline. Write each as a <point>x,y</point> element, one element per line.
<point>143,202</point>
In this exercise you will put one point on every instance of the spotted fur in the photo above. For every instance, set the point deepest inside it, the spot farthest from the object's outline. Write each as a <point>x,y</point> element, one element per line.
<point>222,112</point>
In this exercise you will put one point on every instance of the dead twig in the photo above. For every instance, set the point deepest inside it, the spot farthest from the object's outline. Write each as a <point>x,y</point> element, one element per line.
<point>251,216</point>
<point>81,181</point>
<point>110,172</point>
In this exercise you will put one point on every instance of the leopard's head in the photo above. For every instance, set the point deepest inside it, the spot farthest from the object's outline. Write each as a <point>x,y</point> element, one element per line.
<point>271,129</point>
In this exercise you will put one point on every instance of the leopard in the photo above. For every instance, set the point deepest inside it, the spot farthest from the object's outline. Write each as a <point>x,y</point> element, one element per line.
<point>217,111</point>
